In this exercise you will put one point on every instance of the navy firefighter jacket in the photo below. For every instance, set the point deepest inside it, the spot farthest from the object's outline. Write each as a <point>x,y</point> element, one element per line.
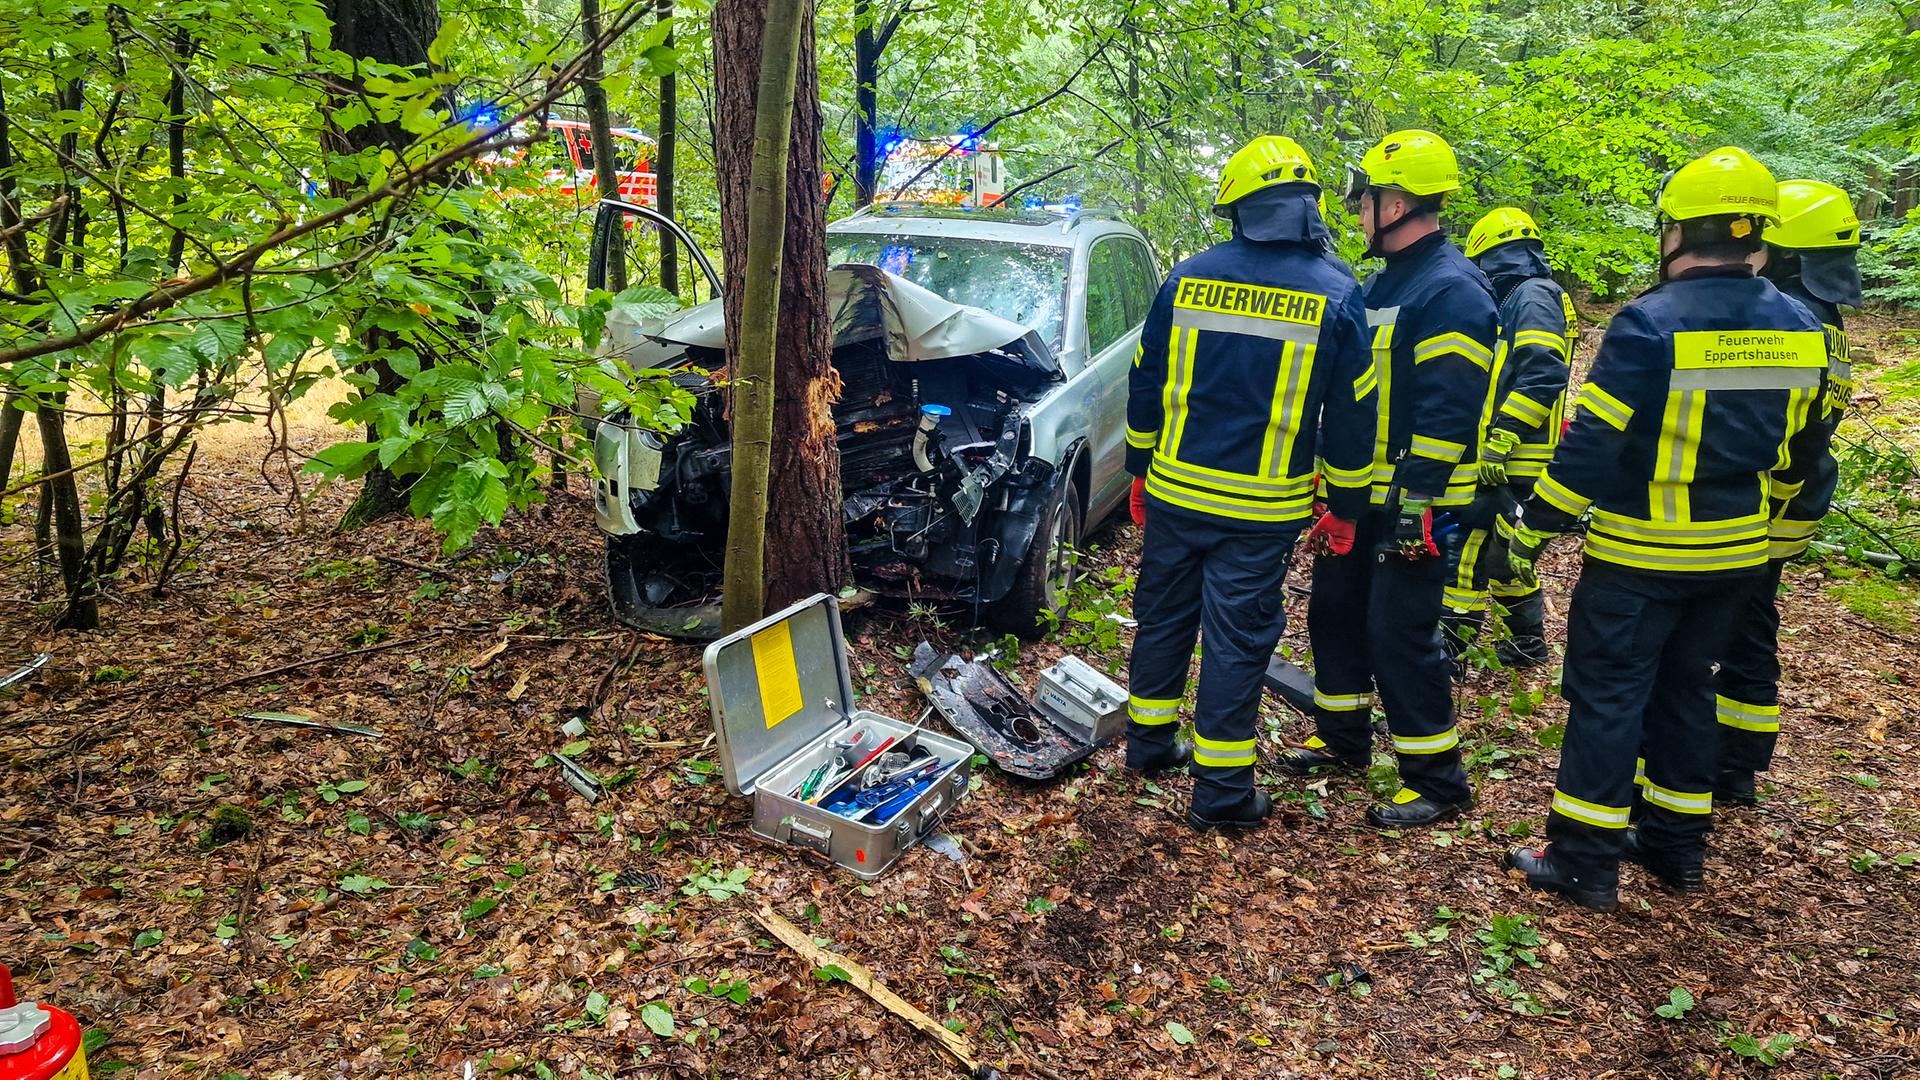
<point>1244,378</point>
<point>1696,407</point>
<point>1538,333</point>
<point>1801,505</point>
<point>1433,325</point>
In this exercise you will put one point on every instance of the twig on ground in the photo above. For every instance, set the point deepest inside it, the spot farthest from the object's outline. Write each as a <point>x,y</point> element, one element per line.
<point>311,661</point>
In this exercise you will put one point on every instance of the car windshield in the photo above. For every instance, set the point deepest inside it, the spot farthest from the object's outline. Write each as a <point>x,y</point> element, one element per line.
<point>1023,282</point>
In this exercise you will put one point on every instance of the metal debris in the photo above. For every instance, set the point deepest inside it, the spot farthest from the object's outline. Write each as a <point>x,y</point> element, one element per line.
<point>296,720</point>
<point>20,673</point>
<point>580,780</point>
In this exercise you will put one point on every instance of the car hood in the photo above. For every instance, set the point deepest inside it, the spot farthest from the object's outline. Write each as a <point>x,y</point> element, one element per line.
<point>915,323</point>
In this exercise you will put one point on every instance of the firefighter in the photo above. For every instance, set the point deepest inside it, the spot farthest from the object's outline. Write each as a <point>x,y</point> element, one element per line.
<point>1810,257</point>
<point>1700,395</point>
<point>1244,376</point>
<point>1522,422</point>
<point>1378,581</point>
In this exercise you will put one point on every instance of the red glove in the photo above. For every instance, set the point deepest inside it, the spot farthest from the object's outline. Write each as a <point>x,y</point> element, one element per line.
<point>1330,536</point>
<point>1137,502</point>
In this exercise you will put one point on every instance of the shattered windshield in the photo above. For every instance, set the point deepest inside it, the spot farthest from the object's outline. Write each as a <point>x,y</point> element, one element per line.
<point>1023,282</point>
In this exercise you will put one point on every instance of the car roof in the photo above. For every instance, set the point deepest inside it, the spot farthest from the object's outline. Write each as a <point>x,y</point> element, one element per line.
<point>1008,226</point>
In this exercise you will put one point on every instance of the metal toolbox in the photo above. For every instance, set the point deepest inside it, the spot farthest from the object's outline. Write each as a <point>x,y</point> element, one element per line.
<point>782,701</point>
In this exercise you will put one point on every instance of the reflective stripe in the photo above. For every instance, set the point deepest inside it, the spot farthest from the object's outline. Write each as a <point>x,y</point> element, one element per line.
<point>1540,452</point>
<point>1778,550</point>
<point>1680,802</point>
<point>1444,344</point>
<point>1644,557</point>
<point>1340,702</point>
<point>1524,409</point>
<point>1347,478</point>
<point>1510,590</point>
<point>1640,772</point>
<point>1427,744</point>
<point>1220,322</point>
<point>1747,717</point>
<point>1231,483</point>
<point>1296,508</point>
<point>1179,382</point>
<point>1605,406</point>
<point>1382,316</point>
<point>1560,496</point>
<point>1437,449</point>
<point>1556,342</point>
<point>1152,712</point>
<point>1222,755</point>
<point>1142,440</point>
<point>1315,742</point>
<point>1464,600</point>
<point>1782,490</point>
<point>1604,817</point>
<point>1289,403</point>
<point>1743,378</point>
<point>1782,528</point>
<point>1697,533</point>
<point>1365,384</point>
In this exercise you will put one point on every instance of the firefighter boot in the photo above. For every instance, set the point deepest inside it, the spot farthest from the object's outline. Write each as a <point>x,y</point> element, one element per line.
<point>1410,810</point>
<point>1735,788</point>
<point>1526,643</point>
<point>1154,761</point>
<point>1257,807</point>
<point>1314,756</point>
<point>1542,873</point>
<point>1680,871</point>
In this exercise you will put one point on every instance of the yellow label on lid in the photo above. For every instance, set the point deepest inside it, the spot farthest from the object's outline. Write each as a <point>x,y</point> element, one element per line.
<point>777,673</point>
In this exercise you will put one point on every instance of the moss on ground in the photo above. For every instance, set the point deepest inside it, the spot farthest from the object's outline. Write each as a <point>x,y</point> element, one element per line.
<point>1879,600</point>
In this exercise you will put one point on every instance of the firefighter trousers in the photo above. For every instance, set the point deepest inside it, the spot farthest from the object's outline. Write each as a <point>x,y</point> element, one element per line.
<point>1374,622</point>
<point>1477,572</point>
<point>1747,687</point>
<point>1639,674</point>
<point>1226,582</point>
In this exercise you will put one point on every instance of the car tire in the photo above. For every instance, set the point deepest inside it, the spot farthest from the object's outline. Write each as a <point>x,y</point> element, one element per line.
<point>1047,576</point>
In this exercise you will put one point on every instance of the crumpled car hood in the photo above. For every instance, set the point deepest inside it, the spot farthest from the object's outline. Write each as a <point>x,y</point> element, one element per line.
<point>914,322</point>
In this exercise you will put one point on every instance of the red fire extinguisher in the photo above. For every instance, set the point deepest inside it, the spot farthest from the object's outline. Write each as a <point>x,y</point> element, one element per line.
<point>37,1042</point>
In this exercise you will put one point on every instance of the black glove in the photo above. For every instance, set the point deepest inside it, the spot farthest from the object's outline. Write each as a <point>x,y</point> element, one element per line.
<point>1413,529</point>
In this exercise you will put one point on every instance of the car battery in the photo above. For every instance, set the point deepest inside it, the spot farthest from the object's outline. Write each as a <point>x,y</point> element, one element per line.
<point>1082,701</point>
<point>852,786</point>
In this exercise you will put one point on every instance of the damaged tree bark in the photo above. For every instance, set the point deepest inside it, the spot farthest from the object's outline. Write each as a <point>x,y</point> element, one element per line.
<point>763,106</point>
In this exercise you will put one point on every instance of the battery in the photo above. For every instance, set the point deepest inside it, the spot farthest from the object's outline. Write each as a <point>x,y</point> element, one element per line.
<point>37,1042</point>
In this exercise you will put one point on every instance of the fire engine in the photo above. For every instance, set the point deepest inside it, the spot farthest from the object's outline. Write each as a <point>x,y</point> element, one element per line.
<point>571,176</point>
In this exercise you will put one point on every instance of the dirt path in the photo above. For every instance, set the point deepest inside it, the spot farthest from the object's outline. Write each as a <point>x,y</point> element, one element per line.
<point>439,896</point>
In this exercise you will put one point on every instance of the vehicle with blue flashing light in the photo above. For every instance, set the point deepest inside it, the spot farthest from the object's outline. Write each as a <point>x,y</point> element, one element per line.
<point>983,357</point>
<point>954,170</point>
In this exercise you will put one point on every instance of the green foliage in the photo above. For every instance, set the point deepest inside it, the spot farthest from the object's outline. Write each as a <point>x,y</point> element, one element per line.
<point>1509,944</point>
<point>1679,1003</point>
<point>1770,1053</point>
<point>707,881</point>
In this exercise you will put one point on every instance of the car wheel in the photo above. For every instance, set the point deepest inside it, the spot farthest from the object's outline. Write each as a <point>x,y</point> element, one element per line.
<point>1046,579</point>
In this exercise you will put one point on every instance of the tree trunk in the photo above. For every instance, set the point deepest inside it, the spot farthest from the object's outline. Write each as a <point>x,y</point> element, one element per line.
<point>806,549</point>
<point>9,434</point>
<point>391,32</point>
<point>83,609</point>
<point>606,175</point>
<point>866,103</point>
<point>663,163</point>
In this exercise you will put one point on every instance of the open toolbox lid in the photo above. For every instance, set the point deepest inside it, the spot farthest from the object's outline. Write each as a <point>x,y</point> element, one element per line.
<point>776,686</point>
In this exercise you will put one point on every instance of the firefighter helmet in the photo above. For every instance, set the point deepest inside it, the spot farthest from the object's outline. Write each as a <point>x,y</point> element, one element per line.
<point>1263,163</point>
<point>1814,215</point>
<point>1498,227</point>
<point>1722,182</point>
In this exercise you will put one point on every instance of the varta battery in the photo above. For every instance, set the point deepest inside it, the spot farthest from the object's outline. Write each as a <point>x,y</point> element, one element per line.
<point>37,1042</point>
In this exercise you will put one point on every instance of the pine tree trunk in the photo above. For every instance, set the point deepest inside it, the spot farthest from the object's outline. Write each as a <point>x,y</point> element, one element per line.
<point>606,175</point>
<point>805,550</point>
<point>866,103</point>
<point>83,609</point>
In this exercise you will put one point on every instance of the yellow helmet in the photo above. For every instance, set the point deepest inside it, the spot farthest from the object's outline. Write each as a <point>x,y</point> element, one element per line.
<point>1417,162</point>
<point>1814,214</point>
<point>1498,227</point>
<point>1720,182</point>
<point>1263,163</point>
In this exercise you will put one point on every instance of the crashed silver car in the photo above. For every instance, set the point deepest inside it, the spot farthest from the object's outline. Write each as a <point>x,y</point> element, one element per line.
<point>981,424</point>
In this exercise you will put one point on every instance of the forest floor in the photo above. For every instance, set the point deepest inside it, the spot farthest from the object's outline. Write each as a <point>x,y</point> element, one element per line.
<point>439,898</point>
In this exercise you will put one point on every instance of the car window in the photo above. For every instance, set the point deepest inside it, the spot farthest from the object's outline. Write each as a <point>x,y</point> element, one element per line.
<point>1143,282</point>
<point>1023,282</point>
<point>1109,294</point>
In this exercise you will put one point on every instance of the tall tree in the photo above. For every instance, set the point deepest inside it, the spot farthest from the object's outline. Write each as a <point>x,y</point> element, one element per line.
<point>391,32</point>
<point>806,549</point>
<point>663,159</point>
